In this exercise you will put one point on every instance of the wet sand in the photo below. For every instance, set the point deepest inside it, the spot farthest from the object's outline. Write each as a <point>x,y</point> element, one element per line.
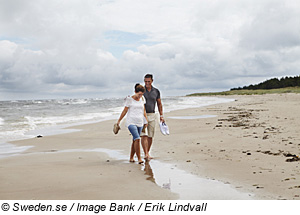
<point>251,145</point>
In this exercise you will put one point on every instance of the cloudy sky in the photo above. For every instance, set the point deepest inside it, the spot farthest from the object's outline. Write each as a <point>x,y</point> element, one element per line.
<point>101,48</point>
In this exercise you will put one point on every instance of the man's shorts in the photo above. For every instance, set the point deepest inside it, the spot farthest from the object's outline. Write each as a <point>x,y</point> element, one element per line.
<point>149,132</point>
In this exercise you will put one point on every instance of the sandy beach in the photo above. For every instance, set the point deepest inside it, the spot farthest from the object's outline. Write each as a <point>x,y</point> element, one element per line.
<point>251,144</point>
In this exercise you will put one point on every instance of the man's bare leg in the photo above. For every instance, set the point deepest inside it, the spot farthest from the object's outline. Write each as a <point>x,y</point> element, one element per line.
<point>145,146</point>
<point>149,141</point>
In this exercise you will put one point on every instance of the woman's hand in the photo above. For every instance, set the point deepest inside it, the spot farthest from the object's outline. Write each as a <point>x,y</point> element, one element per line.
<point>124,112</point>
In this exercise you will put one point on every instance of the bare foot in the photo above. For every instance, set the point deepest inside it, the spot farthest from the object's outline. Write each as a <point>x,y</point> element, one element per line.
<point>131,160</point>
<point>147,158</point>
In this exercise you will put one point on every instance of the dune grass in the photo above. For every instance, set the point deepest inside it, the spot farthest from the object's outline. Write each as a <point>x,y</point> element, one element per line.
<point>250,92</point>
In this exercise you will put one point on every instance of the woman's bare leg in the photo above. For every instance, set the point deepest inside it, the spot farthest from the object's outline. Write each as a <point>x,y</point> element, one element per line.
<point>132,152</point>
<point>137,150</point>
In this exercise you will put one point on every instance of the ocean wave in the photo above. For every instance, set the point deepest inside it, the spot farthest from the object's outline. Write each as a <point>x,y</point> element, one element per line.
<point>116,110</point>
<point>34,122</point>
<point>25,128</point>
<point>22,117</point>
<point>73,101</point>
<point>1,121</point>
<point>7,149</point>
<point>20,134</point>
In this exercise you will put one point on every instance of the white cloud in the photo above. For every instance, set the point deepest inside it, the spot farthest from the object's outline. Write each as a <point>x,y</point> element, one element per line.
<point>62,48</point>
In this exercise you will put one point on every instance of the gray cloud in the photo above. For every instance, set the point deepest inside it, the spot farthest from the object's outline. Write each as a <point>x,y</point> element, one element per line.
<point>61,48</point>
<point>274,27</point>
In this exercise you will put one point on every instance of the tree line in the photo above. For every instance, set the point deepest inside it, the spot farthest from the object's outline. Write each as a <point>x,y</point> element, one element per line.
<point>273,83</point>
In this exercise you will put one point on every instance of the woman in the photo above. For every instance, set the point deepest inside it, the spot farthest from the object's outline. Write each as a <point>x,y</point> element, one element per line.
<point>135,107</point>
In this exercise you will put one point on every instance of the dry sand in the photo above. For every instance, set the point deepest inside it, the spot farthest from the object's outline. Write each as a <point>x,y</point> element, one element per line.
<point>252,144</point>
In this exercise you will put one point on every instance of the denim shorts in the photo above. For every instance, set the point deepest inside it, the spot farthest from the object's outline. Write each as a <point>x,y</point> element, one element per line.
<point>135,131</point>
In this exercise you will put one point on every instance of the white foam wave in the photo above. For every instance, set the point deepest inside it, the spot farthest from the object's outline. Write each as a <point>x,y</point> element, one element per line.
<point>80,101</point>
<point>1,121</point>
<point>33,122</point>
<point>73,101</point>
<point>116,110</point>
<point>12,135</point>
<point>7,149</point>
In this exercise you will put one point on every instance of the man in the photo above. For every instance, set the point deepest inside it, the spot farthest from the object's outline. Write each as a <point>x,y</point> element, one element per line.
<point>152,96</point>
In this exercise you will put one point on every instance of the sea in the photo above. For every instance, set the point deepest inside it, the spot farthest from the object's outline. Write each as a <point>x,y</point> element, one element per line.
<point>23,119</point>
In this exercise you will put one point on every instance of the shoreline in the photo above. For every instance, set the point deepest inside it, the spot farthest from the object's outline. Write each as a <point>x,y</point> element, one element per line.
<point>62,124</point>
<point>243,146</point>
<point>69,127</point>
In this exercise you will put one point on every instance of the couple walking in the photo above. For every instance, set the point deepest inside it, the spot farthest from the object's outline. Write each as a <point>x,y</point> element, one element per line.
<point>140,110</point>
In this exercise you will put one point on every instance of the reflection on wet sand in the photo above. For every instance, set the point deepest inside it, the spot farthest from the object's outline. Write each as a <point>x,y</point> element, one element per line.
<point>189,186</point>
<point>149,172</point>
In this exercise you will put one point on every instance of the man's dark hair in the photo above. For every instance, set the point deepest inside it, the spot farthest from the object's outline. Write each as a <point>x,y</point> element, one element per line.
<point>149,76</point>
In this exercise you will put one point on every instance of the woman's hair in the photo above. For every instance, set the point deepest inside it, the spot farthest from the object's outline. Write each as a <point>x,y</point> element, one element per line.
<point>139,88</point>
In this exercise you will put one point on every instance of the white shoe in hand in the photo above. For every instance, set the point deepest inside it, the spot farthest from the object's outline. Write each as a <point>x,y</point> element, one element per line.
<point>164,128</point>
